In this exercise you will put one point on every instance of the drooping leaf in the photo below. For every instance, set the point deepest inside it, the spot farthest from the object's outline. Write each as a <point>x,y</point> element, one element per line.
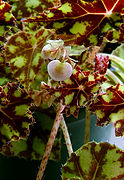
<point>76,91</point>
<point>109,107</point>
<point>95,161</point>
<point>89,21</point>
<point>23,53</point>
<point>15,116</point>
<point>26,8</point>
<point>34,146</point>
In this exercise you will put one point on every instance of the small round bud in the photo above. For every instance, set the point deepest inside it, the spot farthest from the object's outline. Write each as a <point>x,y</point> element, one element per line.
<point>53,49</point>
<point>46,51</point>
<point>59,71</point>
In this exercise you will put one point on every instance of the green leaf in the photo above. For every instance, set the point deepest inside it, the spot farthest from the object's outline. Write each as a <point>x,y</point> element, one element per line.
<point>23,53</point>
<point>88,21</point>
<point>109,107</point>
<point>15,116</point>
<point>34,146</point>
<point>95,161</point>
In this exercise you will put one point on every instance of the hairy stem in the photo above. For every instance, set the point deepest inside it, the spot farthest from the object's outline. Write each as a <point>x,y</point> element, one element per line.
<point>66,136</point>
<point>87,126</point>
<point>50,142</point>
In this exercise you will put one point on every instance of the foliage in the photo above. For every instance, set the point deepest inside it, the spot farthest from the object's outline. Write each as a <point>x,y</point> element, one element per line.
<point>23,53</point>
<point>95,161</point>
<point>76,91</point>
<point>109,107</point>
<point>34,145</point>
<point>15,114</point>
<point>88,21</point>
<point>6,21</point>
<point>30,99</point>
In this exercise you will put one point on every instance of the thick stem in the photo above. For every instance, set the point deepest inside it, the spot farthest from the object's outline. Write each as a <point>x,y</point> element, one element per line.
<point>50,143</point>
<point>87,126</point>
<point>115,79</point>
<point>66,136</point>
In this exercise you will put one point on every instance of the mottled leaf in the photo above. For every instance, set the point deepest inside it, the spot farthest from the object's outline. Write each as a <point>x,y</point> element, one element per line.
<point>116,35</point>
<point>34,146</point>
<point>76,91</point>
<point>6,16</point>
<point>5,74</point>
<point>15,116</point>
<point>26,8</point>
<point>23,53</point>
<point>109,107</point>
<point>89,21</point>
<point>95,161</point>
<point>6,21</point>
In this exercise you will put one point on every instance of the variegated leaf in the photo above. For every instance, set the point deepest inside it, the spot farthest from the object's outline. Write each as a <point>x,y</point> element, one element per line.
<point>6,21</point>
<point>95,161</point>
<point>116,35</point>
<point>89,21</point>
<point>109,107</point>
<point>27,8</point>
<point>23,53</point>
<point>33,146</point>
<point>76,91</point>
<point>5,74</point>
<point>15,116</point>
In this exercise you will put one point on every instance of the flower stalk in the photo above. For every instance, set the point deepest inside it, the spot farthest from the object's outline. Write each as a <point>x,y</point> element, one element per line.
<point>87,126</point>
<point>50,142</point>
<point>66,136</point>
